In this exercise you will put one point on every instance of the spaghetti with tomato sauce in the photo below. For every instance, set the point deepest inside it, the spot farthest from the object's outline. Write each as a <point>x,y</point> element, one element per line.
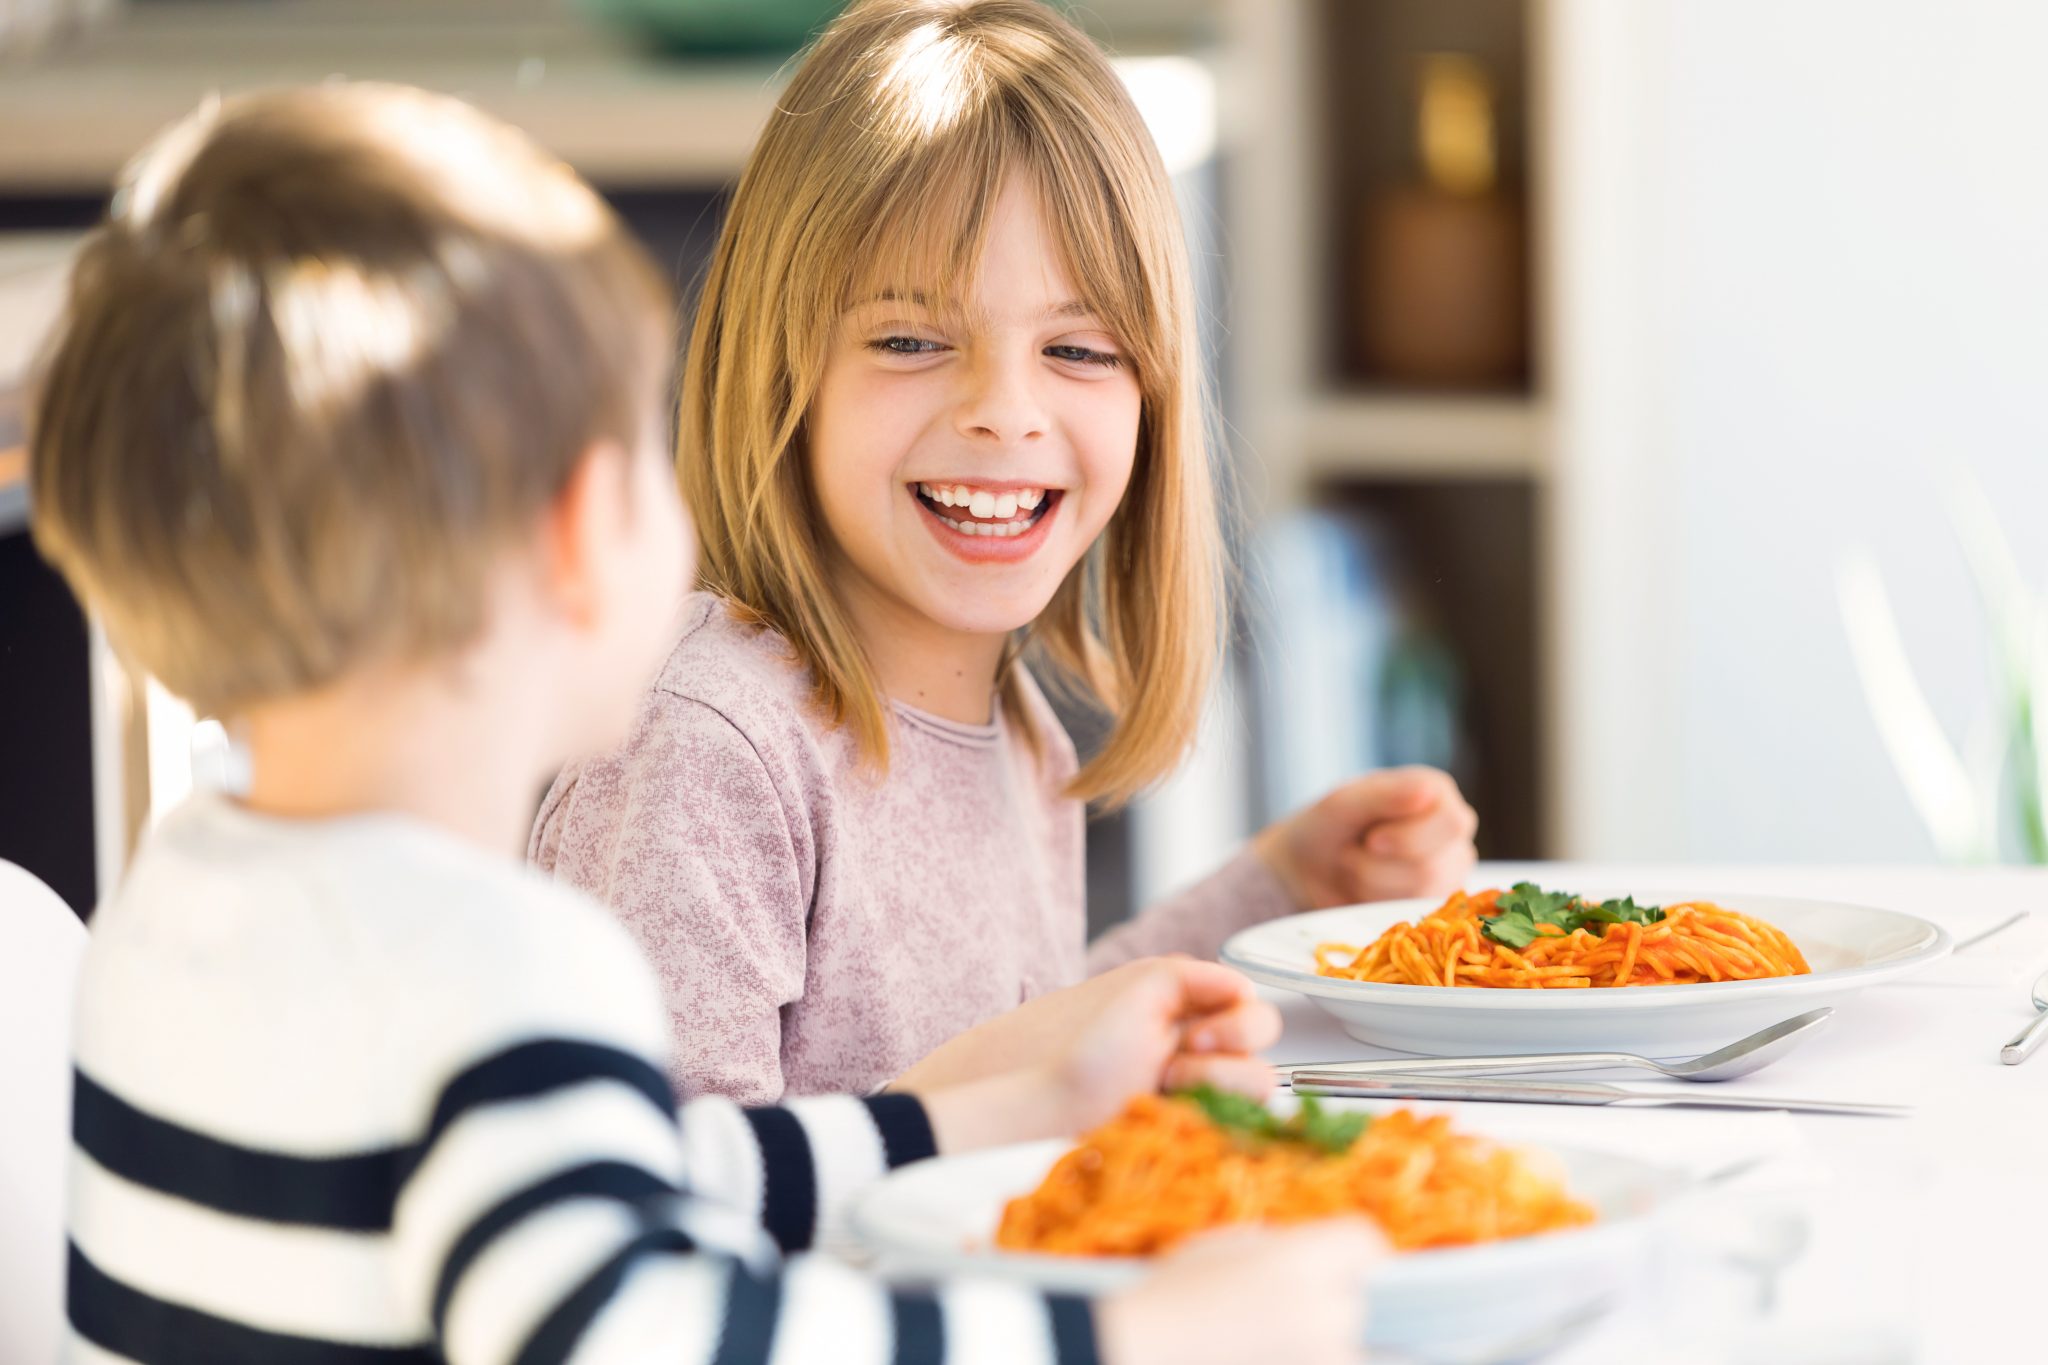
<point>1461,943</point>
<point>1164,1170</point>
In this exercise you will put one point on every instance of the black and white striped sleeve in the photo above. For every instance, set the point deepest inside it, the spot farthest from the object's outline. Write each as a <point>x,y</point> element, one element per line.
<point>796,1169</point>
<point>552,1214</point>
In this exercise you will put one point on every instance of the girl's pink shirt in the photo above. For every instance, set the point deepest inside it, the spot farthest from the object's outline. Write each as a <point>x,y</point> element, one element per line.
<point>817,927</point>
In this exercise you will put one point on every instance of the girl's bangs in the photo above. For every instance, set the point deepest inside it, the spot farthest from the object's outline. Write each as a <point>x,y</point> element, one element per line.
<point>922,232</point>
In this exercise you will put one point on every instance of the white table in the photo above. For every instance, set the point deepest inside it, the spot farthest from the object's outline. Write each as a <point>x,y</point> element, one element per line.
<point>1925,1238</point>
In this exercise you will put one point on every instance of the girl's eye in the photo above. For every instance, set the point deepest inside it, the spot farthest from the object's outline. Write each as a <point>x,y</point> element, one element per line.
<point>905,346</point>
<point>1084,355</point>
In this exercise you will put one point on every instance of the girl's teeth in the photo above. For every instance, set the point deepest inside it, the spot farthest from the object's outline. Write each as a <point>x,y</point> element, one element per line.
<point>1003,529</point>
<point>994,510</point>
<point>960,495</point>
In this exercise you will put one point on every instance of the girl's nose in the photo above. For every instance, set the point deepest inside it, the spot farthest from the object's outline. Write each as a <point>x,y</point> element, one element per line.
<point>1002,403</point>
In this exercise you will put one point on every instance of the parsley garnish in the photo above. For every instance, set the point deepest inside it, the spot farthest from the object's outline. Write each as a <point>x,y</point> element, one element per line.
<point>1311,1123</point>
<point>1528,905</point>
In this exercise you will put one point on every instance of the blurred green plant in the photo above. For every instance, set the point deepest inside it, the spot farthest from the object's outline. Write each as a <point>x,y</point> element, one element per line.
<point>1974,798</point>
<point>717,28</point>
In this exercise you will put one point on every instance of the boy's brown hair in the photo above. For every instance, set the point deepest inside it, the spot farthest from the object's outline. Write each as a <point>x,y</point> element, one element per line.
<point>332,352</point>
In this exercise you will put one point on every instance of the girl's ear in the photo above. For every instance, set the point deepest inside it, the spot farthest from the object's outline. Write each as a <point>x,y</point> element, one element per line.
<point>582,532</point>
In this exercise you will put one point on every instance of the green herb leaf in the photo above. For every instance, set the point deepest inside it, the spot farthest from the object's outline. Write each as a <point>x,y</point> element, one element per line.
<point>1540,904</point>
<point>1228,1109</point>
<point>1623,911</point>
<point>1312,1124</point>
<point>1332,1131</point>
<point>1521,909</point>
<point>1525,907</point>
<point>1516,928</point>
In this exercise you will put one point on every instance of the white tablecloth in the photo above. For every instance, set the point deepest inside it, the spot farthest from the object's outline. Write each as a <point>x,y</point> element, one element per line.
<point>1855,1239</point>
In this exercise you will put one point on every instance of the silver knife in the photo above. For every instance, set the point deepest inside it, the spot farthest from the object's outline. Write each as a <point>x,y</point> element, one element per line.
<point>1396,1087</point>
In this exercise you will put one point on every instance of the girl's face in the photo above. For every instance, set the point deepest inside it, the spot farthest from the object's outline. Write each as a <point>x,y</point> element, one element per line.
<point>965,462</point>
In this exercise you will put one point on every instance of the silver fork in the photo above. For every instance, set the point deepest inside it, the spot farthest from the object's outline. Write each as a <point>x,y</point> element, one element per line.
<point>1739,1058</point>
<point>1983,934</point>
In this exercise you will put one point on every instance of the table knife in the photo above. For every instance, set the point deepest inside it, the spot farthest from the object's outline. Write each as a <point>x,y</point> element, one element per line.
<point>1398,1087</point>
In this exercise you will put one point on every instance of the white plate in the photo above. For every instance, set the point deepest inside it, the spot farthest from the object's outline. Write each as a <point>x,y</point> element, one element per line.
<point>1849,947</point>
<point>938,1218</point>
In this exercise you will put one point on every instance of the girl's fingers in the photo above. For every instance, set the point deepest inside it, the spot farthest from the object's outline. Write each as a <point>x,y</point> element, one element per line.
<point>1390,794</point>
<point>1246,1027</point>
<point>1452,822</point>
<point>1202,987</point>
<point>1246,1076</point>
<point>1372,878</point>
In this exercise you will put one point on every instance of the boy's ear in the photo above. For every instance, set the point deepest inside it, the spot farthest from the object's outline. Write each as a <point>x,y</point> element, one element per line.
<point>582,528</point>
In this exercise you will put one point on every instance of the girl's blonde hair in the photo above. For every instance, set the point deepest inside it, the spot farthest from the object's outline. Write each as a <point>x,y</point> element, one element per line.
<point>879,170</point>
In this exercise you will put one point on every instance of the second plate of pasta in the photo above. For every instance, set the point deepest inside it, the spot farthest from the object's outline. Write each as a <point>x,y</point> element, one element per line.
<point>1495,1243</point>
<point>1521,970</point>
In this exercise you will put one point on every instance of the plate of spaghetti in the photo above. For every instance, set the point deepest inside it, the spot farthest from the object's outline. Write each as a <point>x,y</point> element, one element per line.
<point>1490,1238</point>
<point>1526,969</point>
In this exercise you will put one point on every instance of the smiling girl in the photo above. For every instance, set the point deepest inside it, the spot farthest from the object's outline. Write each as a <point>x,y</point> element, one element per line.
<point>942,423</point>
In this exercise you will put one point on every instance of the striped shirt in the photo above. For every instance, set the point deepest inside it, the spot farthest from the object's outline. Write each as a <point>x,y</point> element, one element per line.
<point>352,1092</point>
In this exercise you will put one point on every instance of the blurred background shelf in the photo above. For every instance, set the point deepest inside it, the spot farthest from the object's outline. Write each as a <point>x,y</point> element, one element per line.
<point>619,115</point>
<point>622,112</point>
<point>1384,378</point>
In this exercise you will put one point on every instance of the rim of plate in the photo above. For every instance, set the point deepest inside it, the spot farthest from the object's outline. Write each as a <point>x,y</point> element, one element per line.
<point>1931,945</point>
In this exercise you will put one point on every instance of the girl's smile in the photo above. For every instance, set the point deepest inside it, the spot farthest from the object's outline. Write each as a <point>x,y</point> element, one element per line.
<point>981,521</point>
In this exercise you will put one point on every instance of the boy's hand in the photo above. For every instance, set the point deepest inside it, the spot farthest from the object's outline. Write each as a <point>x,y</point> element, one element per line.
<point>1388,835</point>
<point>1284,1294</point>
<point>1072,1059</point>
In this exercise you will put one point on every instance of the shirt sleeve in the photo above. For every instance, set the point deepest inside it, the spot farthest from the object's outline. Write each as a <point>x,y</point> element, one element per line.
<point>1243,892</point>
<point>551,1213</point>
<point>796,1169</point>
<point>684,835</point>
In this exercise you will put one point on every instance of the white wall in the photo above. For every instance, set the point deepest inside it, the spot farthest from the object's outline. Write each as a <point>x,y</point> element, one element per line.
<point>1839,223</point>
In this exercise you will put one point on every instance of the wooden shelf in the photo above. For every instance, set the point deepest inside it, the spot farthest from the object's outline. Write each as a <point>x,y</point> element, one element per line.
<point>621,119</point>
<point>624,118</point>
<point>1453,486</point>
<point>1411,437</point>
<point>1365,103</point>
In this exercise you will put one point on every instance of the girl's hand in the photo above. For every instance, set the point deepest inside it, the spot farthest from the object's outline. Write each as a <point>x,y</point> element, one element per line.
<point>1388,835</point>
<point>1295,1294</point>
<point>1072,1059</point>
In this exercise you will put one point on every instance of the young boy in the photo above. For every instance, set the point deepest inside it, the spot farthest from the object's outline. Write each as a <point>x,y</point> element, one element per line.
<point>351,436</point>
